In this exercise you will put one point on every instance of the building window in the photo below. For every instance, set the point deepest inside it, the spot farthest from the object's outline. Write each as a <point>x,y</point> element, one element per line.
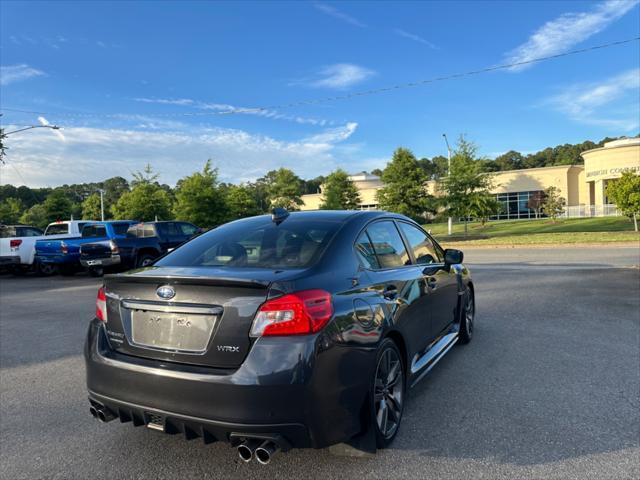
<point>514,206</point>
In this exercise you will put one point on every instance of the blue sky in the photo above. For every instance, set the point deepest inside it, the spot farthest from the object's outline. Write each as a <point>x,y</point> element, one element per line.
<point>138,82</point>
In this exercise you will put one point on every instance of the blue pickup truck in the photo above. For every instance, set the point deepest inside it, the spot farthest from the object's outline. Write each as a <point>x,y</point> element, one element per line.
<point>142,245</point>
<point>64,254</point>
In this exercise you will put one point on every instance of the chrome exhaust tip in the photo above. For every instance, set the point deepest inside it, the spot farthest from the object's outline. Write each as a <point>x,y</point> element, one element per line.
<point>247,449</point>
<point>244,452</point>
<point>93,411</point>
<point>265,451</point>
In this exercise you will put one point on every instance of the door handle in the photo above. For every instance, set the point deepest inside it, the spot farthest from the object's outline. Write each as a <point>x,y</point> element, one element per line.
<point>390,292</point>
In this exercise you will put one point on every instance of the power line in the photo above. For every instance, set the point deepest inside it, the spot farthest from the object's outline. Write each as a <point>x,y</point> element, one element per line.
<point>346,96</point>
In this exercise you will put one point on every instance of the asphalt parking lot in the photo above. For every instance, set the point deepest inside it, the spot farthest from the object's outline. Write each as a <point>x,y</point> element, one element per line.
<point>548,388</point>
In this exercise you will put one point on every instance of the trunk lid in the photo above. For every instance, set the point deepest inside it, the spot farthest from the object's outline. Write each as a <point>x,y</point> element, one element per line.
<point>199,316</point>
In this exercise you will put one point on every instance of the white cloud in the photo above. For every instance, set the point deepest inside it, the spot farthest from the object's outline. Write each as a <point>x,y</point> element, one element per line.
<point>562,33</point>
<point>225,109</point>
<point>16,73</point>
<point>92,154</point>
<point>341,75</point>
<point>334,12</point>
<point>611,103</point>
<point>414,37</point>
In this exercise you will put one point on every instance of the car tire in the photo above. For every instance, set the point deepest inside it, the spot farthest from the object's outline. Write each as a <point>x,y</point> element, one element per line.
<point>95,272</point>
<point>387,393</point>
<point>45,269</point>
<point>66,270</point>
<point>19,270</point>
<point>145,260</point>
<point>467,316</point>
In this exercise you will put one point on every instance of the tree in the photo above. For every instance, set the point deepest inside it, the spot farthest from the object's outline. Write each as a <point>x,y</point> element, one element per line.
<point>241,202</point>
<point>553,204</point>
<point>625,193</point>
<point>36,216</point>
<point>284,189</point>
<point>404,191</point>
<point>11,210</point>
<point>113,189</point>
<point>146,201</point>
<point>57,206</point>
<point>91,209</point>
<point>536,201</point>
<point>465,182</point>
<point>483,206</point>
<point>199,199</point>
<point>339,192</point>
<point>511,160</point>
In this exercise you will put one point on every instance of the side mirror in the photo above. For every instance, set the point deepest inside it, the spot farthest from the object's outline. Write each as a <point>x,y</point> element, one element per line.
<point>453,256</point>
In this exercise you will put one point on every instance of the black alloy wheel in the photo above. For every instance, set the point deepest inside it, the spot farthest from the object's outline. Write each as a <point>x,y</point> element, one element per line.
<point>467,316</point>
<point>388,393</point>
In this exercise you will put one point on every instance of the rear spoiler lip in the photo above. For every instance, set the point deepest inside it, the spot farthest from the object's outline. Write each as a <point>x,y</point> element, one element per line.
<point>187,280</point>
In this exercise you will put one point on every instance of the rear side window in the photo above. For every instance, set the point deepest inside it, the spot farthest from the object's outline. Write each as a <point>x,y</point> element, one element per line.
<point>388,245</point>
<point>28,232</point>
<point>366,253</point>
<point>423,248</point>
<point>120,228</point>
<point>187,229</point>
<point>168,229</point>
<point>258,243</point>
<point>57,229</point>
<point>94,231</point>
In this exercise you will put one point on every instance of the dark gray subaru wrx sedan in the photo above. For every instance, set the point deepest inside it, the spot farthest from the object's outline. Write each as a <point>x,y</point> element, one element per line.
<point>277,332</point>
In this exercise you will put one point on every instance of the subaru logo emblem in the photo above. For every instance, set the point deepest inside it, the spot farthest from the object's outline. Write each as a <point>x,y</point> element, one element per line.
<point>167,292</point>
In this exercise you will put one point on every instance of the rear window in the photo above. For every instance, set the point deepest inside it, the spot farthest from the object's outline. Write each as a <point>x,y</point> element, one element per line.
<point>92,231</point>
<point>6,232</point>
<point>57,229</point>
<point>256,244</point>
<point>120,228</point>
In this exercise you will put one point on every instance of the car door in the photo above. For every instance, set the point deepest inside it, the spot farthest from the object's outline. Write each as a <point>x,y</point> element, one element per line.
<point>397,280</point>
<point>441,281</point>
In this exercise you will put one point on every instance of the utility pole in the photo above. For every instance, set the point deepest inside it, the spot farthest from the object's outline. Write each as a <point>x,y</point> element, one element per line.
<point>101,203</point>
<point>449,221</point>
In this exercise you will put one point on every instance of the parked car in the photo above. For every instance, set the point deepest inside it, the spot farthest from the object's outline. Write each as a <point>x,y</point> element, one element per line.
<point>17,244</point>
<point>64,254</point>
<point>311,339</point>
<point>143,243</point>
<point>14,246</point>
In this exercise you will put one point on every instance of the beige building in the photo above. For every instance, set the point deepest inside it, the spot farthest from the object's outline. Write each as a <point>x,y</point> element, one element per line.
<point>582,186</point>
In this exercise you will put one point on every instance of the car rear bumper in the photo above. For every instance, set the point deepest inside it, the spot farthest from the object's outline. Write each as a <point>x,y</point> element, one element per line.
<point>100,262</point>
<point>60,259</point>
<point>283,388</point>
<point>9,260</point>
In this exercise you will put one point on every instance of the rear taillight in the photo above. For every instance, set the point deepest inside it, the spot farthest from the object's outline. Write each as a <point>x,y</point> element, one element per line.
<point>101,305</point>
<point>64,248</point>
<point>114,248</point>
<point>297,313</point>
<point>15,243</point>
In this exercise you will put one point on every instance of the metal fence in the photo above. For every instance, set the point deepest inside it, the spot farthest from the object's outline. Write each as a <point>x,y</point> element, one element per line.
<point>580,211</point>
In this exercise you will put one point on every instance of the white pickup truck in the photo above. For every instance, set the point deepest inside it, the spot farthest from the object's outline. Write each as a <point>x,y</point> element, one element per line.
<point>17,243</point>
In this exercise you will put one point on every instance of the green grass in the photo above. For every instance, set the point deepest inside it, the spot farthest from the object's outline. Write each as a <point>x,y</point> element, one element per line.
<point>542,231</point>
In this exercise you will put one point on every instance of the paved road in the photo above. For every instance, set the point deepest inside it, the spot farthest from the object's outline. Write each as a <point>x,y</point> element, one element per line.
<point>549,387</point>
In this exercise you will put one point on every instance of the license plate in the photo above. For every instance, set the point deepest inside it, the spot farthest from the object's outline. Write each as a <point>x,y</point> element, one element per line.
<point>91,263</point>
<point>172,331</point>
